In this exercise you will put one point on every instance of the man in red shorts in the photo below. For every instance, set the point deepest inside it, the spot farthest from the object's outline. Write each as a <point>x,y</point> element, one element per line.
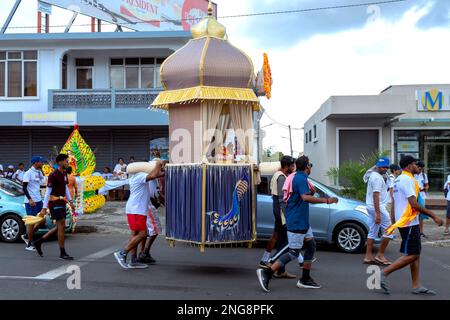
<point>137,211</point>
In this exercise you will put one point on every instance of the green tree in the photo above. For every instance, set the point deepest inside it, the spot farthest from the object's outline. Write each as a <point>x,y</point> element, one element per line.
<point>350,175</point>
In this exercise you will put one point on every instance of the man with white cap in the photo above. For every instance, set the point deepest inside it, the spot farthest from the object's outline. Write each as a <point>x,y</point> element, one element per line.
<point>377,200</point>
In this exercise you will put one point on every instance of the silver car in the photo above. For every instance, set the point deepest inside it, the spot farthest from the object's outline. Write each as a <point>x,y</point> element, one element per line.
<point>344,224</point>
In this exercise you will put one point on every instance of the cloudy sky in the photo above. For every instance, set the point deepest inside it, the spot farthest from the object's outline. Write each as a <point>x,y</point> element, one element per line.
<point>314,55</point>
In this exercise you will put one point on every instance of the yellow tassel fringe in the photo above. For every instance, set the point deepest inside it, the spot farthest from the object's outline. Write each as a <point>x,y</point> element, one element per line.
<point>189,95</point>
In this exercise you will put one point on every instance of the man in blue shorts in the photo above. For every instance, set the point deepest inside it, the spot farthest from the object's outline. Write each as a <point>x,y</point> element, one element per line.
<point>33,179</point>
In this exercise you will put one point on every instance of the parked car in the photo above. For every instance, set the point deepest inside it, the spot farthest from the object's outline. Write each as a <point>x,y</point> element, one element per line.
<point>12,210</point>
<point>344,224</point>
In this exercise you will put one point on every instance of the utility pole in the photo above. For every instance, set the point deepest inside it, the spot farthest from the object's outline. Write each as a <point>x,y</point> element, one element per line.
<point>290,140</point>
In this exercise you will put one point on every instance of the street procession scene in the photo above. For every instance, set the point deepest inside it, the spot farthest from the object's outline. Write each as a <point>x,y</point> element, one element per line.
<point>243,152</point>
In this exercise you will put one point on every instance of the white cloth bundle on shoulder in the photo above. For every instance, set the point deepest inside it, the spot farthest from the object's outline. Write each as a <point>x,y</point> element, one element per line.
<point>138,167</point>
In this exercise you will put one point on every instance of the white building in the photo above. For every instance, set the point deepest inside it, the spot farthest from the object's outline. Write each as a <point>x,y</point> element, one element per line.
<point>409,119</point>
<point>105,82</point>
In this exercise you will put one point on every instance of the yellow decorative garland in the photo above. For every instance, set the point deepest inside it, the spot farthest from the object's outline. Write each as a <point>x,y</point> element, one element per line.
<point>267,77</point>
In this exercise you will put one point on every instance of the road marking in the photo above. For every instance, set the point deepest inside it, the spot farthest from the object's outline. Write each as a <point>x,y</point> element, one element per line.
<point>60,271</point>
<point>439,263</point>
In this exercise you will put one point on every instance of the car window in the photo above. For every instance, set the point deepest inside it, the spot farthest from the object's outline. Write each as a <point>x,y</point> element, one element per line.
<point>264,186</point>
<point>320,193</point>
<point>10,187</point>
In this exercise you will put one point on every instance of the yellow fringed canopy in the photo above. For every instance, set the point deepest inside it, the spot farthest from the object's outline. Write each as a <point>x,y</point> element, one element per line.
<point>226,95</point>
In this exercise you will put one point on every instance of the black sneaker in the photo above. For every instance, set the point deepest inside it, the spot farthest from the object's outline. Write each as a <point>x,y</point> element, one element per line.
<point>65,256</point>
<point>308,284</point>
<point>121,259</point>
<point>38,246</point>
<point>264,265</point>
<point>264,279</point>
<point>146,258</point>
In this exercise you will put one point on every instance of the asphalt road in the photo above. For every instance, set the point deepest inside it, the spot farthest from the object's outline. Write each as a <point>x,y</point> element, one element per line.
<point>184,273</point>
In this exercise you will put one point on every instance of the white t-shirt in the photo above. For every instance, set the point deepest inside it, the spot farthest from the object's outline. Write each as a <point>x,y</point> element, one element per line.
<point>447,186</point>
<point>35,179</point>
<point>121,170</point>
<point>139,195</point>
<point>404,188</point>
<point>422,179</point>
<point>19,175</point>
<point>376,183</point>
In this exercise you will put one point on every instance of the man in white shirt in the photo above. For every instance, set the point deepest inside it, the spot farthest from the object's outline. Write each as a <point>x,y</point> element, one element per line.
<point>120,170</point>
<point>18,175</point>
<point>137,212</point>
<point>33,179</point>
<point>422,179</point>
<point>407,209</point>
<point>377,200</point>
<point>447,224</point>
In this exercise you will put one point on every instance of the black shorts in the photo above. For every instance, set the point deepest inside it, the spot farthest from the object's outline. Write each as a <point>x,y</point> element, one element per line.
<point>448,209</point>
<point>411,242</point>
<point>277,213</point>
<point>58,213</point>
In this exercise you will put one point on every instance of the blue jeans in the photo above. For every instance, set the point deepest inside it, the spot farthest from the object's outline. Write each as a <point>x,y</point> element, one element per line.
<point>34,211</point>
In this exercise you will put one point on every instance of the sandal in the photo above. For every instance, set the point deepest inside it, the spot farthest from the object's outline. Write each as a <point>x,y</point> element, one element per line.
<point>424,291</point>
<point>383,263</point>
<point>370,262</point>
<point>284,275</point>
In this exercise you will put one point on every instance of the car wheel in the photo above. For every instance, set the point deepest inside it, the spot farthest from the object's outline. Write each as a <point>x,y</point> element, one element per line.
<point>11,227</point>
<point>350,238</point>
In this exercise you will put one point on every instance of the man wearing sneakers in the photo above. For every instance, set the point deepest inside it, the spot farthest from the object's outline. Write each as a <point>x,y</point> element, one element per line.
<point>300,233</point>
<point>407,209</point>
<point>279,236</point>
<point>33,179</point>
<point>56,198</point>
<point>137,212</point>
<point>153,223</point>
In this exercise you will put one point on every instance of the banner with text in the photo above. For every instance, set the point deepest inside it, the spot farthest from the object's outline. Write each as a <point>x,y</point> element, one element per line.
<point>141,15</point>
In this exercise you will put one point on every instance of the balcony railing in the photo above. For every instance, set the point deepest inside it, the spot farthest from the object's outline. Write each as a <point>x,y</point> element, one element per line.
<point>101,98</point>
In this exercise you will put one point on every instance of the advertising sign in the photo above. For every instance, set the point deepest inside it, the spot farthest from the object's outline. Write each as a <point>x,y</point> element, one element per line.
<point>433,100</point>
<point>141,15</point>
<point>44,7</point>
<point>49,119</point>
<point>408,146</point>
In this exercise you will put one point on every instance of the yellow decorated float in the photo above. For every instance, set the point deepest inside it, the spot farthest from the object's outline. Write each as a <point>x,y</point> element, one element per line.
<point>82,162</point>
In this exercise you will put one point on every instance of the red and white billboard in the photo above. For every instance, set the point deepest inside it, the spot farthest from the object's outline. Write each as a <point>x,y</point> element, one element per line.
<point>141,15</point>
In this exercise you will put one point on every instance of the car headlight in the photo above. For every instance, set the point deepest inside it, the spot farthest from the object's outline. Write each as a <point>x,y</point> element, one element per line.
<point>362,209</point>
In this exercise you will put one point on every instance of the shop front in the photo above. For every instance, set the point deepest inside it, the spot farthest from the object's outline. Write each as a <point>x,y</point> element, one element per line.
<point>432,146</point>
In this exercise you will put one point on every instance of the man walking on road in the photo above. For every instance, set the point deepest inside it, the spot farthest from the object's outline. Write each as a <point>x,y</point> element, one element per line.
<point>279,236</point>
<point>33,179</point>
<point>377,200</point>
<point>137,212</point>
<point>407,209</point>
<point>299,231</point>
<point>57,197</point>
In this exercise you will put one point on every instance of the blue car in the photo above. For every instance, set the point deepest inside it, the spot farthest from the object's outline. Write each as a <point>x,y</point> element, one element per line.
<point>12,210</point>
<point>344,224</point>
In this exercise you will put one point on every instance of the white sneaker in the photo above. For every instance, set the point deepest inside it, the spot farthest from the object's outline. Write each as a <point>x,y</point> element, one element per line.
<point>137,265</point>
<point>30,248</point>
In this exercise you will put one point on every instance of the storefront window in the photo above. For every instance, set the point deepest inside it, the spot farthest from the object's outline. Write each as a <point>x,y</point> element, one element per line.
<point>432,147</point>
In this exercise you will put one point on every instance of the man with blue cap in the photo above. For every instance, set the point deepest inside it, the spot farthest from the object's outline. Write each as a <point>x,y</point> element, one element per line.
<point>377,200</point>
<point>33,179</point>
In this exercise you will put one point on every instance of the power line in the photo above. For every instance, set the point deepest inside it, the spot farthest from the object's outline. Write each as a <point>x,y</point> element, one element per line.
<point>285,126</point>
<point>371,3</point>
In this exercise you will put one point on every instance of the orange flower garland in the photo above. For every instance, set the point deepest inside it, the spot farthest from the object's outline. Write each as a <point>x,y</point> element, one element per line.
<point>267,77</point>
